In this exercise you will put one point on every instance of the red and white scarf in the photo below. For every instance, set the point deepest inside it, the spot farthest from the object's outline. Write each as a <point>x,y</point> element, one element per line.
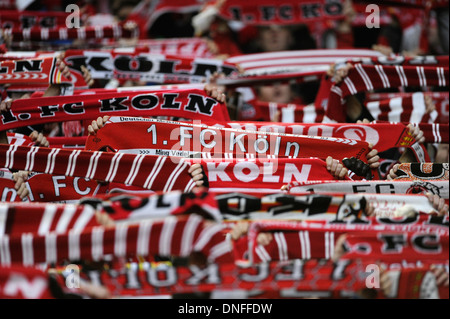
<point>187,103</point>
<point>160,137</point>
<point>398,186</point>
<point>370,77</point>
<point>410,109</point>
<point>293,279</point>
<point>326,206</point>
<point>64,33</point>
<point>134,206</point>
<point>140,64</point>
<point>51,188</point>
<point>39,71</point>
<point>43,218</point>
<point>423,171</point>
<point>146,171</point>
<point>382,135</point>
<point>266,12</point>
<point>171,236</point>
<point>19,282</point>
<point>440,99</point>
<point>393,247</point>
<point>300,66</point>
<point>300,240</point>
<point>261,175</point>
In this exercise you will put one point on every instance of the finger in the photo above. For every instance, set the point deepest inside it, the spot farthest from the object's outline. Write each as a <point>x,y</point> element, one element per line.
<point>22,191</point>
<point>33,135</point>
<point>94,126</point>
<point>329,161</point>
<point>100,122</point>
<point>196,172</point>
<point>197,177</point>
<point>199,183</point>
<point>193,167</point>
<point>19,182</point>
<point>342,171</point>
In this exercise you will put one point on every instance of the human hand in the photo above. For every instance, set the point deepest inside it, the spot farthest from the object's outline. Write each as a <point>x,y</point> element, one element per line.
<point>39,139</point>
<point>337,169</point>
<point>196,171</point>
<point>87,76</point>
<point>438,203</point>
<point>20,186</point>
<point>97,124</point>
<point>417,133</point>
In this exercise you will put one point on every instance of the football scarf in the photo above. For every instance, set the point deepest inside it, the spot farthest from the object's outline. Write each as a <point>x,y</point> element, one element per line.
<point>43,218</point>
<point>440,99</point>
<point>423,171</point>
<point>382,135</point>
<point>262,175</point>
<point>191,104</point>
<point>18,282</point>
<point>140,64</point>
<point>131,206</point>
<point>160,137</point>
<point>337,207</point>
<point>63,33</point>
<point>293,279</point>
<point>266,12</point>
<point>292,240</point>
<point>397,186</point>
<point>370,77</point>
<point>39,71</point>
<point>146,171</point>
<point>396,246</point>
<point>300,66</point>
<point>51,188</point>
<point>410,109</point>
<point>434,132</point>
<point>171,236</point>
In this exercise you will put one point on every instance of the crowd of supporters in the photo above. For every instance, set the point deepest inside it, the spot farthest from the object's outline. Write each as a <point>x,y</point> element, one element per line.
<point>347,123</point>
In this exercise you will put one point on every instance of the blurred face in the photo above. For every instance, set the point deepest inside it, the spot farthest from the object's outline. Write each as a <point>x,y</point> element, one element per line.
<point>275,38</point>
<point>278,93</point>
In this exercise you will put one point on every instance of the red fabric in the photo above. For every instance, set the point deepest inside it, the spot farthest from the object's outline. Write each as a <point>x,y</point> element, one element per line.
<point>63,33</point>
<point>307,240</point>
<point>175,236</point>
<point>150,172</point>
<point>187,103</point>
<point>265,12</point>
<point>367,78</point>
<point>18,282</point>
<point>40,71</point>
<point>161,138</point>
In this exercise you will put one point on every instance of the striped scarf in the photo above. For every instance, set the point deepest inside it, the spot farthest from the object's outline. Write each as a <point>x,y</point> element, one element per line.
<point>39,71</point>
<point>363,78</point>
<point>171,236</point>
<point>146,171</point>
<point>292,240</point>
<point>63,33</point>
